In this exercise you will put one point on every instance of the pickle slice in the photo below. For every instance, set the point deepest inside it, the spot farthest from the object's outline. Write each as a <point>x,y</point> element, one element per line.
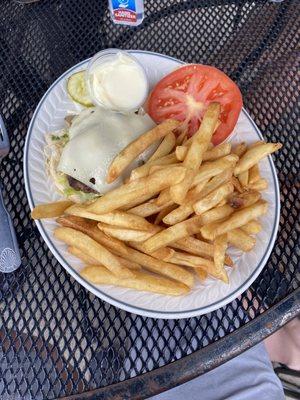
<point>77,89</point>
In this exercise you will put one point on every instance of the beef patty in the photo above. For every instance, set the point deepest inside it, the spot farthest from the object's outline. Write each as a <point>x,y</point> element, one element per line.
<point>77,185</point>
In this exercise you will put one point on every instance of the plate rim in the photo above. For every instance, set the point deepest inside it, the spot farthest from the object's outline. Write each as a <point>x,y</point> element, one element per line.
<point>119,303</point>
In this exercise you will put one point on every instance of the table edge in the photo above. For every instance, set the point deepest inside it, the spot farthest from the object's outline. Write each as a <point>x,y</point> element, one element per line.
<point>201,361</point>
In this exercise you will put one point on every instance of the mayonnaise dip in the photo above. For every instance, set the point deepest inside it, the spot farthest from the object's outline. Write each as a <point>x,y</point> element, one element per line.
<point>117,82</point>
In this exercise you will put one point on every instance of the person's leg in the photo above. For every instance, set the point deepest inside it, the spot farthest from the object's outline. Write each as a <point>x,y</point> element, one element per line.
<point>249,376</point>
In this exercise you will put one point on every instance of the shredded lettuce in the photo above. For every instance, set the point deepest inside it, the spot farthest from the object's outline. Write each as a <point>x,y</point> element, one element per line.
<point>52,152</point>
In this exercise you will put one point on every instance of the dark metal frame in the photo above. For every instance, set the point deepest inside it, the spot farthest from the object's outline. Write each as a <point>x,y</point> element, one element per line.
<point>201,361</point>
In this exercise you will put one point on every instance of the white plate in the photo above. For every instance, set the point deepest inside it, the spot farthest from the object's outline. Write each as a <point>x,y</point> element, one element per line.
<point>49,116</point>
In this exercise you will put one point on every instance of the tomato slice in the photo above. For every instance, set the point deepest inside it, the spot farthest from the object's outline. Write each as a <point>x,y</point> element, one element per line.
<point>185,93</point>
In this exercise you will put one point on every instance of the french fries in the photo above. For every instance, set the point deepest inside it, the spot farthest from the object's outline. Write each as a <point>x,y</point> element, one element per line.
<point>93,249</point>
<point>172,234</point>
<point>239,149</point>
<point>244,199</point>
<point>213,199</point>
<point>117,247</point>
<point>194,156</point>
<point>217,152</point>
<point>162,254</point>
<point>238,219</point>
<point>254,155</point>
<point>90,260</point>
<point>254,174</point>
<point>82,255</point>
<point>135,148</point>
<point>202,275</point>
<point>141,281</point>
<point>144,170</point>
<point>244,178</point>
<point>117,218</point>
<point>216,214</point>
<point>259,185</point>
<point>165,147</point>
<point>149,208</point>
<point>176,216</point>
<point>164,212</point>
<point>125,234</point>
<point>178,191</point>
<point>220,246</point>
<point>212,168</point>
<point>241,240</point>
<point>151,185</point>
<point>252,227</point>
<point>50,210</point>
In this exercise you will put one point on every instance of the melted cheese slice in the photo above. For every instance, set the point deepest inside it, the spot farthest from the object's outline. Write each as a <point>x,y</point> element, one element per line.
<point>96,137</point>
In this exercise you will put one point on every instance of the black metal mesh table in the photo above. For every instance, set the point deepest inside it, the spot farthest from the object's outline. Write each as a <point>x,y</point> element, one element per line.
<point>57,339</point>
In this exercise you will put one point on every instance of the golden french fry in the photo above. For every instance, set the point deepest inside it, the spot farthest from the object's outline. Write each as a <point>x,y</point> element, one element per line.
<point>50,210</point>
<point>202,137</point>
<point>192,261</point>
<point>137,201</point>
<point>254,144</point>
<point>215,182</point>
<point>95,250</point>
<point>135,148</point>
<point>201,190</point>
<point>129,264</point>
<point>240,149</point>
<point>199,236</point>
<point>252,227</point>
<point>236,220</point>
<point>212,168</point>
<point>185,210</point>
<point>179,191</point>
<point>220,246</point>
<point>196,262</point>
<point>161,254</point>
<point>194,156</point>
<point>125,234</point>
<point>164,198</point>
<point>237,185</point>
<point>212,199</point>
<point>194,246</point>
<point>202,274</point>
<point>254,174</point>
<point>259,185</point>
<point>90,260</point>
<point>164,212</point>
<point>90,228</point>
<point>243,200</point>
<point>116,218</point>
<point>223,202</point>
<point>254,155</point>
<point>172,234</point>
<point>165,147</point>
<point>144,169</point>
<point>243,178</point>
<point>181,152</point>
<point>116,246</point>
<point>126,220</point>
<point>155,168</point>
<point>182,137</point>
<point>82,255</point>
<point>198,248</point>
<point>216,152</point>
<point>241,240</point>
<point>149,208</point>
<point>142,281</point>
<point>151,185</point>
<point>216,214</point>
